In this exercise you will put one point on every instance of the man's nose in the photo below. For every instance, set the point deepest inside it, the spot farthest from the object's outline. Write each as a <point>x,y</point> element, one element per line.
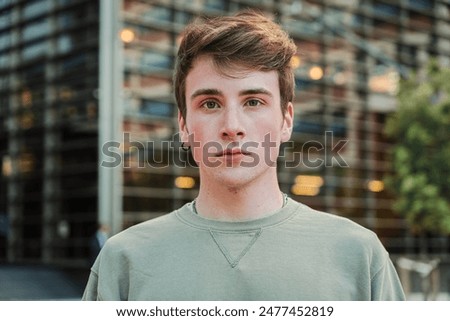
<point>232,126</point>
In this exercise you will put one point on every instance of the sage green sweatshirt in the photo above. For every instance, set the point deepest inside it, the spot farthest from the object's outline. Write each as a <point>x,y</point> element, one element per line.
<point>296,253</point>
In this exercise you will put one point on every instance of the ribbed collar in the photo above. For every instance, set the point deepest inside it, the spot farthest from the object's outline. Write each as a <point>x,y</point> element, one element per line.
<point>188,216</point>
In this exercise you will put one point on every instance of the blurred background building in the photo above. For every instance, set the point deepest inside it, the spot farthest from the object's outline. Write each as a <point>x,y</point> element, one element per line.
<point>87,82</point>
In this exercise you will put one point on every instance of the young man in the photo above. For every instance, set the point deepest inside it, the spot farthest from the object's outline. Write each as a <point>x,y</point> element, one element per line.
<point>241,238</point>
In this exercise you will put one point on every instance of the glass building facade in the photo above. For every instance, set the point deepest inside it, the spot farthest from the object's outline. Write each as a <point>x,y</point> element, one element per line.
<point>48,129</point>
<point>89,125</point>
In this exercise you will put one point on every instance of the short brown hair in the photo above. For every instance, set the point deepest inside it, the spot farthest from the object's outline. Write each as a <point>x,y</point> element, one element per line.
<point>247,39</point>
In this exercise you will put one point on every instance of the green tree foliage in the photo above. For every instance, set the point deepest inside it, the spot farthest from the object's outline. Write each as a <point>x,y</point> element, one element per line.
<point>420,158</point>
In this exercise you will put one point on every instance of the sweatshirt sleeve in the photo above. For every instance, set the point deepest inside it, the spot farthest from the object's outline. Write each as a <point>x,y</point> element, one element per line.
<point>90,292</point>
<point>385,284</point>
<point>108,280</point>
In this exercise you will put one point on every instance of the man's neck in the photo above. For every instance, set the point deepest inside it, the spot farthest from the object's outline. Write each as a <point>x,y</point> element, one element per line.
<point>226,203</point>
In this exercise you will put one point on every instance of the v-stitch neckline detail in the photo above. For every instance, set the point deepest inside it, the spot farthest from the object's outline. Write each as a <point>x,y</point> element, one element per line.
<point>226,242</point>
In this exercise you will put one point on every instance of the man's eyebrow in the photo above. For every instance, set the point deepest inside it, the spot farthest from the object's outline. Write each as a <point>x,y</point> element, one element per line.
<point>255,91</point>
<point>205,91</point>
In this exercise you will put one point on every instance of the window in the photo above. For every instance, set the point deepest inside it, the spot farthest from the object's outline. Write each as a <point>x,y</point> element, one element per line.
<point>64,44</point>
<point>156,108</point>
<point>215,4</point>
<point>35,50</point>
<point>5,40</point>
<point>4,3</point>
<point>5,18</point>
<point>386,10</point>
<point>151,61</point>
<point>36,29</point>
<point>421,4</point>
<point>183,17</point>
<point>311,123</point>
<point>35,8</point>
<point>357,20</point>
<point>156,13</point>
<point>158,38</point>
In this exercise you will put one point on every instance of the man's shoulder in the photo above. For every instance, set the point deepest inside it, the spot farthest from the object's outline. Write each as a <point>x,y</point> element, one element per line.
<point>332,225</point>
<point>148,231</point>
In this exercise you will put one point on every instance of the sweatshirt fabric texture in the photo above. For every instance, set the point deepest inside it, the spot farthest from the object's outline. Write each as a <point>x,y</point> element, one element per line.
<point>296,253</point>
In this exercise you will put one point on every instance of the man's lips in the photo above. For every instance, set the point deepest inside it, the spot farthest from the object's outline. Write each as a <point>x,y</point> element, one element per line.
<point>231,152</point>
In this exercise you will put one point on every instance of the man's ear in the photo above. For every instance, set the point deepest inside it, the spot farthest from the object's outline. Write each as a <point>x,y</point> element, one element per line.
<point>182,127</point>
<point>288,123</point>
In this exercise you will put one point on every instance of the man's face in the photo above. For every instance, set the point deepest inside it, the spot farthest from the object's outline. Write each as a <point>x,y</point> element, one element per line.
<point>234,125</point>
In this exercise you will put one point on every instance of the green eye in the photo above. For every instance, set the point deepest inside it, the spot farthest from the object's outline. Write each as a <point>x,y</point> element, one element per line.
<point>253,103</point>
<point>210,105</point>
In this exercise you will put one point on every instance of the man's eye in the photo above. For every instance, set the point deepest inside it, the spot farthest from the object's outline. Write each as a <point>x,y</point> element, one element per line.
<point>210,104</point>
<point>253,102</point>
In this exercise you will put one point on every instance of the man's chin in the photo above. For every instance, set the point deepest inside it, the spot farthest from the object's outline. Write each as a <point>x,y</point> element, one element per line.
<point>236,177</point>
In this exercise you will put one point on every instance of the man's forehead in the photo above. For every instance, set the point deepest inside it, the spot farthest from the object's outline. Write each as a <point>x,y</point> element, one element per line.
<point>225,67</point>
